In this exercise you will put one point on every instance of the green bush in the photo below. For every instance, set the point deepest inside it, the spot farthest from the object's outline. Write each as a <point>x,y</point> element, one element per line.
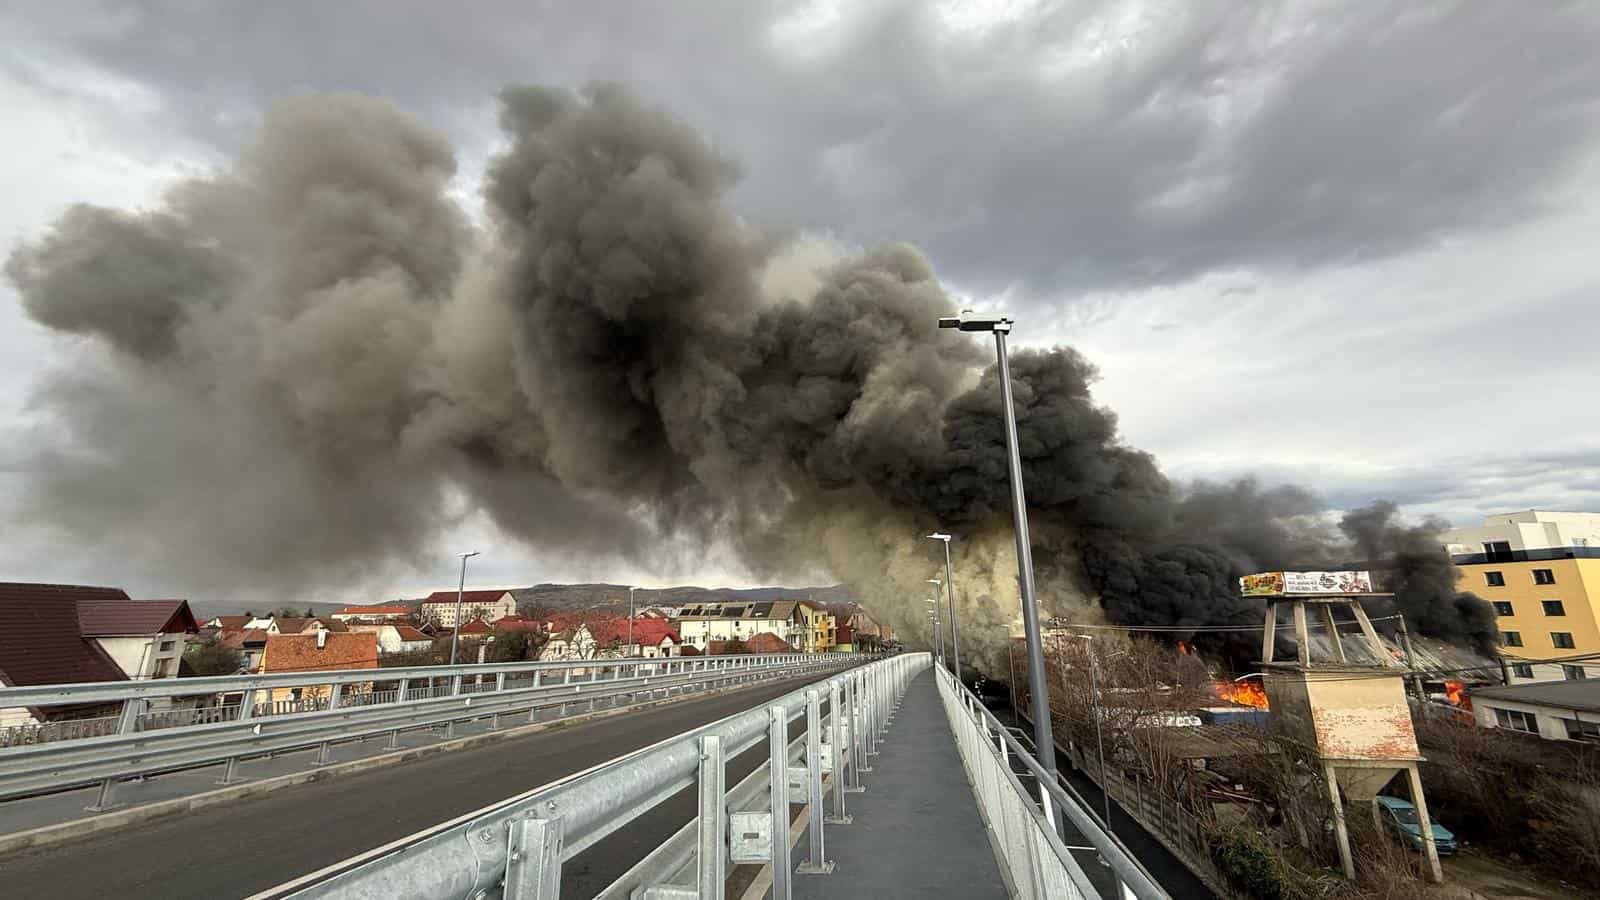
<point>1251,868</point>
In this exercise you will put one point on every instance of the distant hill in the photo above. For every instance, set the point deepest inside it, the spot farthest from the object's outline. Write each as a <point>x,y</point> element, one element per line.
<point>614,597</point>
<point>205,609</point>
<point>555,598</point>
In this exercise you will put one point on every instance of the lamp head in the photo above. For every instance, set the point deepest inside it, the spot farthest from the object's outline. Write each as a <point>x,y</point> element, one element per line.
<point>939,536</point>
<point>971,321</point>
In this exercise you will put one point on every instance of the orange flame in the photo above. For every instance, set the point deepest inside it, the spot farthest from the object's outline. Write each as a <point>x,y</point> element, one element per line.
<point>1455,691</point>
<point>1183,648</point>
<point>1244,693</point>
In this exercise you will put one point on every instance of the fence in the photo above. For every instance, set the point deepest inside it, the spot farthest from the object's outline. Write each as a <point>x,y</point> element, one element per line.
<point>341,706</point>
<point>516,848</point>
<point>1036,861</point>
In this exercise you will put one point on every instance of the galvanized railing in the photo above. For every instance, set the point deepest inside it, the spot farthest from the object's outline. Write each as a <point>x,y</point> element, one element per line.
<point>345,707</point>
<point>516,848</point>
<point>1037,863</point>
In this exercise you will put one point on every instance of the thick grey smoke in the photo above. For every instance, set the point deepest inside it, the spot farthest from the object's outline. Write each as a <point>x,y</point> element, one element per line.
<point>311,354</point>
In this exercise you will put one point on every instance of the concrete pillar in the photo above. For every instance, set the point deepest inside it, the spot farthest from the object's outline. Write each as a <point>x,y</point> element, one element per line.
<point>1435,874</point>
<point>1340,833</point>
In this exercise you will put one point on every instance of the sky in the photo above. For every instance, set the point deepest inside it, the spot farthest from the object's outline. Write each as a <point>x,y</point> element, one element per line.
<point>1347,246</point>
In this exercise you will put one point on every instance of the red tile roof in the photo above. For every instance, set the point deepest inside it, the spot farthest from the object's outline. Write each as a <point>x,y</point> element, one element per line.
<point>651,632</point>
<point>114,616</point>
<point>767,642</point>
<point>39,638</point>
<point>300,653</point>
<point>407,633</point>
<point>238,639</point>
<point>374,611</point>
<point>467,597</point>
<point>476,626</point>
<point>517,623</point>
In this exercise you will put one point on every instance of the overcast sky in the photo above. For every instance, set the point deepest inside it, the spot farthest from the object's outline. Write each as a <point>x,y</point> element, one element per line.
<point>1345,245</point>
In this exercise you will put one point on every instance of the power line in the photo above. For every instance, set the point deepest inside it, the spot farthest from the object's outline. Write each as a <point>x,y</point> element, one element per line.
<point>1207,629</point>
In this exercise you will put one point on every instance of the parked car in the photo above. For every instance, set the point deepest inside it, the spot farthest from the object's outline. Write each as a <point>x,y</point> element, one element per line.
<point>1400,817</point>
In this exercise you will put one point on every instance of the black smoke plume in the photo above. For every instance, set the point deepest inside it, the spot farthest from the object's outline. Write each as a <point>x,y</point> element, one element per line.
<point>298,362</point>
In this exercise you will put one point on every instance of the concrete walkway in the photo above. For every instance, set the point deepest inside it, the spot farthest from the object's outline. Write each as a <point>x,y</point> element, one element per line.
<point>916,831</point>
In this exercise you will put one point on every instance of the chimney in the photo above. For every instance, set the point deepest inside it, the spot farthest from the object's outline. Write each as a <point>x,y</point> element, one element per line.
<point>322,638</point>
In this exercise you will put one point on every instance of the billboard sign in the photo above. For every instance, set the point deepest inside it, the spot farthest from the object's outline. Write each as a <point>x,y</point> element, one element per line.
<point>1277,584</point>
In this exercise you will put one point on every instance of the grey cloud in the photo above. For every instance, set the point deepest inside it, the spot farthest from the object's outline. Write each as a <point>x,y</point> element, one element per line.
<point>1074,146</point>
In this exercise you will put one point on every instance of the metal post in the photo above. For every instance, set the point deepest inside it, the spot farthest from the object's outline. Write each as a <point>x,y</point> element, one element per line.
<point>461,587</point>
<point>950,596</point>
<point>712,821</point>
<point>836,753</point>
<point>818,863</point>
<point>778,770</point>
<point>858,756</point>
<point>1043,738</point>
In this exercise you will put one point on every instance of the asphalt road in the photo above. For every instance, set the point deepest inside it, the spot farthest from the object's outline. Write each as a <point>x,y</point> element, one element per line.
<point>238,850</point>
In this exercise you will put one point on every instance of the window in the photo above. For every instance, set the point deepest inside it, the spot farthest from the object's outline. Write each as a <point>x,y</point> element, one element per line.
<point>1516,721</point>
<point>1578,730</point>
<point>1554,608</point>
<point>1574,673</point>
<point>1562,640</point>
<point>1497,551</point>
<point>166,646</point>
<point>1522,670</point>
<point>1503,608</point>
<point>1511,638</point>
<point>1544,576</point>
<point>1495,579</point>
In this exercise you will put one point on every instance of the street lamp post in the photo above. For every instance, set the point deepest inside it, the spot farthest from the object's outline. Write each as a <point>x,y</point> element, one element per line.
<point>950,597</point>
<point>1045,743</point>
<point>461,587</point>
<point>936,582</point>
<point>938,636</point>
<point>630,619</point>
<point>1094,689</point>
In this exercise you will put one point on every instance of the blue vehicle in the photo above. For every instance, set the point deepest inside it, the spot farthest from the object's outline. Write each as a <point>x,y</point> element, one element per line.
<point>1400,817</point>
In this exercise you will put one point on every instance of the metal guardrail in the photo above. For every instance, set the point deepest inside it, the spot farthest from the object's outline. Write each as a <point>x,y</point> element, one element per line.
<point>516,848</point>
<point>467,693</point>
<point>1038,863</point>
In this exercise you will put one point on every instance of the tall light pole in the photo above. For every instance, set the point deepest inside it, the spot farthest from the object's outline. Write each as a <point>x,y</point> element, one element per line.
<point>461,587</point>
<point>630,619</point>
<point>1044,742</point>
<point>936,582</point>
<point>1094,689</point>
<point>938,637</point>
<point>950,596</point>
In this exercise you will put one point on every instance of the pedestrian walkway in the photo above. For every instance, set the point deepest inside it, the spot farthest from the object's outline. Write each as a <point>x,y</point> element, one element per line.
<point>916,831</point>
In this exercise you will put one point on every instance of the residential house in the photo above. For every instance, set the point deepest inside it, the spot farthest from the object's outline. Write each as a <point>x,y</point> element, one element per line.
<point>440,606</point>
<point>648,638</point>
<point>1555,711</point>
<point>574,641</point>
<point>42,642</point>
<point>767,642</point>
<point>303,625</point>
<point>701,623</point>
<point>317,651</point>
<point>858,631</point>
<point>395,614</point>
<point>818,635</point>
<point>517,623</point>
<point>228,622</point>
<point>146,638</point>
<point>251,644</point>
<point>476,628</point>
<point>394,638</point>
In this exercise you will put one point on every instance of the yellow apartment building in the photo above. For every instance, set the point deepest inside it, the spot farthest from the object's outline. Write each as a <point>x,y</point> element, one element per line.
<point>1541,571</point>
